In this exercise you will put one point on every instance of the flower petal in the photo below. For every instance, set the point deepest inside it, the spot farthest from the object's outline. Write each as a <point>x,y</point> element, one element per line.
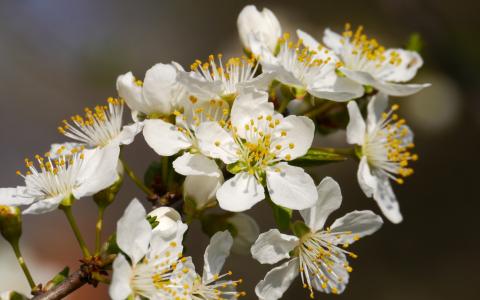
<point>300,132</point>
<point>164,138</point>
<point>357,223</point>
<point>134,231</point>
<point>376,107</point>
<point>336,274</point>
<point>215,255</point>
<point>202,189</point>
<point>386,200</point>
<point>131,92</point>
<point>410,62</point>
<point>291,186</point>
<point>356,128</point>
<point>340,89</point>
<point>273,246</point>
<point>128,133</point>
<point>157,87</point>
<point>308,40</point>
<point>367,182</point>
<point>329,200</point>
<point>263,24</point>
<point>216,142</point>
<point>247,232</point>
<point>167,219</point>
<point>98,171</point>
<point>14,197</point>
<point>333,40</point>
<point>277,281</point>
<point>196,164</point>
<point>240,193</point>
<point>122,272</point>
<point>44,206</point>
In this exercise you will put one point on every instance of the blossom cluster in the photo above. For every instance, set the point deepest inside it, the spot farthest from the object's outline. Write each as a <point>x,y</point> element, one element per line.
<point>234,132</point>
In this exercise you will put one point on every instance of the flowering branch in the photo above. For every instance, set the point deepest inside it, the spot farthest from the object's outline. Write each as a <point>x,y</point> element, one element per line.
<point>73,282</point>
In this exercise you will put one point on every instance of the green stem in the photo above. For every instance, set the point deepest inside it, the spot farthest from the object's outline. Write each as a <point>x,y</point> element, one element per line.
<point>136,180</point>
<point>16,248</point>
<point>318,110</point>
<point>71,220</point>
<point>343,151</point>
<point>98,230</point>
<point>165,170</point>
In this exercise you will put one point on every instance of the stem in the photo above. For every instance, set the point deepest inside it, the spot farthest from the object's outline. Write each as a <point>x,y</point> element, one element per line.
<point>136,180</point>
<point>320,109</point>
<point>16,248</point>
<point>343,151</point>
<point>165,170</point>
<point>71,220</point>
<point>98,229</point>
<point>68,286</point>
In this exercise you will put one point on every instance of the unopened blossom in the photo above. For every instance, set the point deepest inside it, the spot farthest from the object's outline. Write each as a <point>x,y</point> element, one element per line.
<point>101,126</point>
<point>202,189</point>
<point>263,26</point>
<point>212,284</point>
<point>12,295</point>
<point>368,63</point>
<point>309,69</point>
<point>384,142</point>
<point>153,257</point>
<point>157,96</point>
<point>260,142</point>
<point>216,79</point>
<point>318,255</point>
<point>168,139</point>
<point>75,174</point>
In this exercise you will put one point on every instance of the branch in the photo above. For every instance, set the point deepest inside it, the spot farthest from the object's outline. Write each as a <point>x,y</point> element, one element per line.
<point>69,285</point>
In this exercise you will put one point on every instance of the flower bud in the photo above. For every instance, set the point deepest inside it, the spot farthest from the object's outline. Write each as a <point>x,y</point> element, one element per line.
<point>262,25</point>
<point>164,221</point>
<point>201,190</point>
<point>245,232</point>
<point>12,295</point>
<point>10,223</point>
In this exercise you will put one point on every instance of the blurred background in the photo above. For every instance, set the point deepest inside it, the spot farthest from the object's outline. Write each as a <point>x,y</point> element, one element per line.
<point>57,57</point>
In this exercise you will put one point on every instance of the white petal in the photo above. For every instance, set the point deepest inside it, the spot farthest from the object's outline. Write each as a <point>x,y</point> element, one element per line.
<point>386,200</point>
<point>410,63</point>
<point>157,87</point>
<point>196,164</point>
<point>340,90</point>
<point>291,187</point>
<point>131,92</point>
<point>128,133</point>
<point>169,240</point>
<point>277,281</point>
<point>308,40</point>
<point>336,274</point>
<point>216,142</point>
<point>300,131</point>
<point>14,197</point>
<point>99,170</point>
<point>134,231</point>
<point>333,40</point>
<point>273,246</point>
<point>240,193</point>
<point>164,138</point>
<point>263,24</point>
<point>198,86</point>
<point>167,219</point>
<point>216,253</point>
<point>122,272</point>
<point>202,189</point>
<point>247,232</point>
<point>358,224</point>
<point>376,107</point>
<point>249,106</point>
<point>367,182</point>
<point>356,128</point>
<point>58,149</point>
<point>329,200</point>
<point>44,206</point>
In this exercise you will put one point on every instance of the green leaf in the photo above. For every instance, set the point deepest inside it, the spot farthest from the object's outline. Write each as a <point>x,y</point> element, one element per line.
<point>16,296</point>
<point>111,246</point>
<point>415,42</point>
<point>315,157</point>
<point>282,216</point>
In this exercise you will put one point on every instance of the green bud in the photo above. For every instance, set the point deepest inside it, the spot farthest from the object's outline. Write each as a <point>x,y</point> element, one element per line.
<point>105,197</point>
<point>12,295</point>
<point>300,229</point>
<point>10,223</point>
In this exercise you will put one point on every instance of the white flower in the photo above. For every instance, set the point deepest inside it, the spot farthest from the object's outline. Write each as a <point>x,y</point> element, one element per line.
<point>100,127</point>
<point>263,25</point>
<point>167,139</point>
<point>154,257</point>
<point>211,285</point>
<point>202,189</point>
<point>246,231</point>
<point>158,95</point>
<point>309,68</point>
<point>167,221</point>
<point>259,141</point>
<point>319,255</point>
<point>210,81</point>
<point>385,143</point>
<point>78,174</point>
<point>368,63</point>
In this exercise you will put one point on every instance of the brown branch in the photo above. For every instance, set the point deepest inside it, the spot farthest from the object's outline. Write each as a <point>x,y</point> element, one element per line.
<point>69,285</point>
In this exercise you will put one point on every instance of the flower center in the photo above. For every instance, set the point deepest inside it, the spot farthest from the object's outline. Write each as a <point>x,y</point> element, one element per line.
<point>216,288</point>
<point>236,70</point>
<point>388,146</point>
<point>98,127</point>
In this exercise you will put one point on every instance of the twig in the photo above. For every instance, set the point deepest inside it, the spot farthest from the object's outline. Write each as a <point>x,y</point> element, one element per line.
<point>69,285</point>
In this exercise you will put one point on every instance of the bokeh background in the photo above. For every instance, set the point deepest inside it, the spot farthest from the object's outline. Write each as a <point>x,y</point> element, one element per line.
<point>56,57</point>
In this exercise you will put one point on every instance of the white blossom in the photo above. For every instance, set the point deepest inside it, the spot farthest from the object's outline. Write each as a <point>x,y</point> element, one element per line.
<point>385,144</point>
<point>318,255</point>
<point>260,142</point>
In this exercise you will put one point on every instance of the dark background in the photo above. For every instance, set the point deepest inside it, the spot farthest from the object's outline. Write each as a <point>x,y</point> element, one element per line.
<point>56,57</point>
